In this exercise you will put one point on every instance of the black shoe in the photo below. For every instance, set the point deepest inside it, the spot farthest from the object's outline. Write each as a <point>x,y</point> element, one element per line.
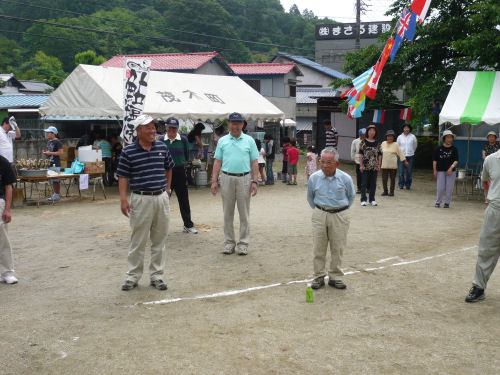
<point>391,194</point>
<point>358,191</point>
<point>317,283</point>
<point>401,187</point>
<point>129,285</point>
<point>475,294</point>
<point>337,284</point>
<point>384,194</point>
<point>407,188</point>
<point>437,205</point>
<point>159,284</point>
<point>446,205</point>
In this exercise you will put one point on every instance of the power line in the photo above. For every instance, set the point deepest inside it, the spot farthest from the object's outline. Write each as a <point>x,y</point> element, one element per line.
<point>85,29</point>
<point>154,27</point>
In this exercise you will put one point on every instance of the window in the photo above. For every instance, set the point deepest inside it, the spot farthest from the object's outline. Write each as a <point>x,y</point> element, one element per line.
<point>293,91</point>
<point>255,84</point>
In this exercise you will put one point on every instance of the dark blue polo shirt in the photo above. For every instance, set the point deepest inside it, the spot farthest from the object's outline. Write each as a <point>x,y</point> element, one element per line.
<point>145,169</point>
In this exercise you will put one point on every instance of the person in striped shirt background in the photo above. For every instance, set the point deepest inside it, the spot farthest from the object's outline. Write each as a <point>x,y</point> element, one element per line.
<point>146,165</point>
<point>332,136</point>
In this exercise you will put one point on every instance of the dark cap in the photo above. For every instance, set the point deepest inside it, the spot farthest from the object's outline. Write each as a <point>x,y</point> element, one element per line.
<point>235,116</point>
<point>172,122</point>
<point>390,132</point>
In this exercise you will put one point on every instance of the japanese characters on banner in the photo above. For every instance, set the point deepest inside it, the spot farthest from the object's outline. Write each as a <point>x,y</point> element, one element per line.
<point>136,86</point>
<point>348,30</point>
<point>366,84</point>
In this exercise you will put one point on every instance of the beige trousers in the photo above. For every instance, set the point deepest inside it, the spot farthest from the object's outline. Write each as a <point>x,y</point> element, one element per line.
<point>6,261</point>
<point>236,191</point>
<point>149,217</point>
<point>329,229</point>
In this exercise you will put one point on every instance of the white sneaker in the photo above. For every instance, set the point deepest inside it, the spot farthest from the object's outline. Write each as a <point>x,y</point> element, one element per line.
<point>191,230</point>
<point>373,203</point>
<point>9,279</point>
<point>363,203</point>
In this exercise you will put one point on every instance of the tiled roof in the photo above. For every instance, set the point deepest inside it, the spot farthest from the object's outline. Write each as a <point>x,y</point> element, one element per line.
<point>22,101</point>
<point>167,61</point>
<point>314,65</point>
<point>37,86</point>
<point>309,95</point>
<point>264,69</point>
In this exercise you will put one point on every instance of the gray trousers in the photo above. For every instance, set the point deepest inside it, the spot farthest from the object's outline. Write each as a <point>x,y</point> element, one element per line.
<point>445,183</point>
<point>6,262</point>
<point>149,217</point>
<point>489,247</point>
<point>329,230</point>
<point>236,191</point>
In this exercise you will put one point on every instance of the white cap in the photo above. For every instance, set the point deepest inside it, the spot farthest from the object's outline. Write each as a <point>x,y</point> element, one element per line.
<point>142,120</point>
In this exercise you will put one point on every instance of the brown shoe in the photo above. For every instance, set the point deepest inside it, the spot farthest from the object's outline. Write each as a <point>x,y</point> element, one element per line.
<point>318,282</point>
<point>337,284</point>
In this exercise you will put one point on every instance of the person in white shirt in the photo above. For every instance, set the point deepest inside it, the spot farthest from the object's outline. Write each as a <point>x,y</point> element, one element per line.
<point>355,157</point>
<point>408,144</point>
<point>8,133</point>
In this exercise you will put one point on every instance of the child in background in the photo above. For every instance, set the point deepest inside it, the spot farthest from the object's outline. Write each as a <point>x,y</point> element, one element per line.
<point>293,159</point>
<point>312,161</point>
<point>262,161</point>
<point>284,170</point>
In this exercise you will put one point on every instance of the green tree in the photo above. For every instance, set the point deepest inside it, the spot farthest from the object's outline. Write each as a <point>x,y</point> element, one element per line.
<point>89,57</point>
<point>10,54</point>
<point>426,68</point>
<point>42,67</point>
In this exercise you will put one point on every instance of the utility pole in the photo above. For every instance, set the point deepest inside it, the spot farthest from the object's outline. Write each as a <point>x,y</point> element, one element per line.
<point>357,44</point>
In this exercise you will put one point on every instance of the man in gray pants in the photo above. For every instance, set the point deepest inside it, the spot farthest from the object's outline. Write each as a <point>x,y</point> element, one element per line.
<point>489,240</point>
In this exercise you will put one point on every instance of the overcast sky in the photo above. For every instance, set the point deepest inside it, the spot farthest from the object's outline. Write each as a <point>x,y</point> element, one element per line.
<point>341,10</point>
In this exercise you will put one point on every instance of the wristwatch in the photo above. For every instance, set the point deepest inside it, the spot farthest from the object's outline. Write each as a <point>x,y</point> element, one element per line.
<point>255,182</point>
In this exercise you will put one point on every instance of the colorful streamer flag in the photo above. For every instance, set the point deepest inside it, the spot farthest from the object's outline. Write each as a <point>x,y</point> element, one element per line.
<point>379,116</point>
<point>359,84</point>
<point>405,114</point>
<point>136,74</point>
<point>371,88</point>
<point>349,93</point>
<point>420,7</point>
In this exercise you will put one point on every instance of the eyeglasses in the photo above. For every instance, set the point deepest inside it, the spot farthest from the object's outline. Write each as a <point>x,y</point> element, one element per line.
<point>327,162</point>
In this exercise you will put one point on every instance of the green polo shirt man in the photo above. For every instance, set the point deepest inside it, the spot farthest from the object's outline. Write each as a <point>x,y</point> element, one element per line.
<point>237,157</point>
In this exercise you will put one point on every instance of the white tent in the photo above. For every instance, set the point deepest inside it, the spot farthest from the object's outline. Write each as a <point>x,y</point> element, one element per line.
<point>474,98</point>
<point>96,91</point>
<point>288,123</point>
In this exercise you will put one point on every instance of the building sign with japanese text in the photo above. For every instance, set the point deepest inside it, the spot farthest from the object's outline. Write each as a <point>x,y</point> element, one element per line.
<point>135,89</point>
<point>367,30</point>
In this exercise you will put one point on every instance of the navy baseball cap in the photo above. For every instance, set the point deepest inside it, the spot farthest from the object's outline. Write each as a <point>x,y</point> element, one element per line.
<point>172,122</point>
<point>235,116</point>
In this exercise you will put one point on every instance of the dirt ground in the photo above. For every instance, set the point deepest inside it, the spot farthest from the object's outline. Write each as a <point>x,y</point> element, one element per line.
<point>408,269</point>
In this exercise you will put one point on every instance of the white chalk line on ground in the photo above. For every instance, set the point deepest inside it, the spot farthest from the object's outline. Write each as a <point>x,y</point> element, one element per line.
<point>252,289</point>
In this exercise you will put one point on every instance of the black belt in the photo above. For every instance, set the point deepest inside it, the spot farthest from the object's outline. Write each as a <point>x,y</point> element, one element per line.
<point>155,192</point>
<point>236,174</point>
<point>333,211</point>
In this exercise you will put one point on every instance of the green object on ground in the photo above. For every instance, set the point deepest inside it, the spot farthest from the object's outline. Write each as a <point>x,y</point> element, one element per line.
<point>309,294</point>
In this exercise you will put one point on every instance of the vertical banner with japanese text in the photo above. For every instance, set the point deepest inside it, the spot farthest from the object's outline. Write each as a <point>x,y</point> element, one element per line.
<point>136,74</point>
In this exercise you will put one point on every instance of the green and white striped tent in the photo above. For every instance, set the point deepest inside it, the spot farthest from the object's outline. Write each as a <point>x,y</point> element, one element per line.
<point>473,99</point>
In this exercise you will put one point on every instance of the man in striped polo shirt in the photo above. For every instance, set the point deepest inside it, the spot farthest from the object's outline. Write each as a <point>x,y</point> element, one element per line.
<point>146,165</point>
<point>332,136</point>
<point>178,146</point>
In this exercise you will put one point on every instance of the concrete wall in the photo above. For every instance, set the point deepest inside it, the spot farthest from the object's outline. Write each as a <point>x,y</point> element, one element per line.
<point>311,77</point>
<point>212,68</point>
<point>306,110</point>
<point>287,105</point>
<point>331,53</point>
